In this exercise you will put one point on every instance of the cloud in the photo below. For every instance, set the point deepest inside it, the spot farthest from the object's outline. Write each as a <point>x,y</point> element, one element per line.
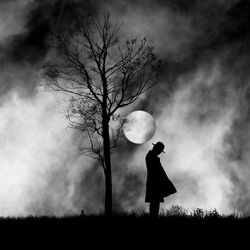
<point>40,165</point>
<point>12,18</point>
<point>201,107</point>
<point>194,133</point>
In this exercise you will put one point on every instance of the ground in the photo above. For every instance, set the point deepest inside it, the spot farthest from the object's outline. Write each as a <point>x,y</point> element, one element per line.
<point>128,231</point>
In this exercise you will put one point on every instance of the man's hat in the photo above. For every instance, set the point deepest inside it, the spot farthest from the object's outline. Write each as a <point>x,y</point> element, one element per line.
<point>159,144</point>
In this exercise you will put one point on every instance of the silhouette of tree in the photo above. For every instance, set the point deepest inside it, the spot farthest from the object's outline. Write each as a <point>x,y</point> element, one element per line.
<point>102,73</point>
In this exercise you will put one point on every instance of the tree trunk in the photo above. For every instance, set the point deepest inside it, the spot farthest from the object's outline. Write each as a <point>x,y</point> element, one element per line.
<point>108,172</point>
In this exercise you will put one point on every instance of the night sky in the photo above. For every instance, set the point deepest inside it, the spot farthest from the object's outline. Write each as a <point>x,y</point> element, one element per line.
<point>201,106</point>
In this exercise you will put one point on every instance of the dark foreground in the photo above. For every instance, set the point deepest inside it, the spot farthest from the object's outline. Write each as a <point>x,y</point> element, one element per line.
<point>127,231</point>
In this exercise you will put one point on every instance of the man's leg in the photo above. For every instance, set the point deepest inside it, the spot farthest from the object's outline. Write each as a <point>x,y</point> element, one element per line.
<point>154,208</point>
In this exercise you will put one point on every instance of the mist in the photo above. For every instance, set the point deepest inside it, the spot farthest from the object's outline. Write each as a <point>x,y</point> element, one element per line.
<point>200,104</point>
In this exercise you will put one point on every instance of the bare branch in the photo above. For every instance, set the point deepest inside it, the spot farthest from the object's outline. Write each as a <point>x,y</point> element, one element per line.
<point>102,73</point>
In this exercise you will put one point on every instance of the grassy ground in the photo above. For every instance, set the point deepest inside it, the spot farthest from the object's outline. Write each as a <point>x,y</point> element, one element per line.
<point>174,228</point>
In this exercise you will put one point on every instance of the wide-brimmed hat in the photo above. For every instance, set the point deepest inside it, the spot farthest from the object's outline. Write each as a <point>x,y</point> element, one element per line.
<point>159,144</point>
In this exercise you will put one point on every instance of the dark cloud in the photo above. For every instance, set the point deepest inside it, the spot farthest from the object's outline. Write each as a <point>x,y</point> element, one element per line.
<point>189,35</point>
<point>22,52</point>
<point>42,18</point>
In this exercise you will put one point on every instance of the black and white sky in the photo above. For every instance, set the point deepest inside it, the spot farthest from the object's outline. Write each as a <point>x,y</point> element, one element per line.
<point>201,105</point>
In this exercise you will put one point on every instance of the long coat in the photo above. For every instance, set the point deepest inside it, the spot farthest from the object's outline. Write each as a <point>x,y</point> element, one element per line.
<point>158,184</point>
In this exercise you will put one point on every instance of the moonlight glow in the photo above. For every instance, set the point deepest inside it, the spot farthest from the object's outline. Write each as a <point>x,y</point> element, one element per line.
<point>139,127</point>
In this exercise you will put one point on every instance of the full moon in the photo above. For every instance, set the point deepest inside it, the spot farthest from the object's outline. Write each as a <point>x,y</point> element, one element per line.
<point>139,127</point>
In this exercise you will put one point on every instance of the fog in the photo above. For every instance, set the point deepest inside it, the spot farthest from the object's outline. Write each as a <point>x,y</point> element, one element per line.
<point>200,104</point>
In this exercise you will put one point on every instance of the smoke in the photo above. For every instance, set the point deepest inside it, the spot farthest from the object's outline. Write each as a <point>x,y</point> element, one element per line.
<point>39,160</point>
<point>201,107</point>
<point>194,124</point>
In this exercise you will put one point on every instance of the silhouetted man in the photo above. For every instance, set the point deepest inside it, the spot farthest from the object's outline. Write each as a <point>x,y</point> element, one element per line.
<point>158,184</point>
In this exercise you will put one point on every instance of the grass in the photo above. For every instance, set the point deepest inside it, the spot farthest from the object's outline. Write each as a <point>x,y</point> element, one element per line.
<point>175,226</point>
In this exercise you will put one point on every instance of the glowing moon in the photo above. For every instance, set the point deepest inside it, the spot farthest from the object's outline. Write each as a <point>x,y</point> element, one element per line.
<point>139,127</point>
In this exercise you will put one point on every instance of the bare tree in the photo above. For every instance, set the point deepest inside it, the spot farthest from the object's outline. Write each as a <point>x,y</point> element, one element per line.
<point>103,73</point>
